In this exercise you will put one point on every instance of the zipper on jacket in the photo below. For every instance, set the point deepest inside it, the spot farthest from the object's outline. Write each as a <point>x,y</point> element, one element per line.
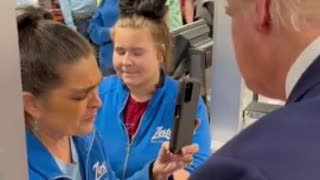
<point>88,154</point>
<point>128,139</point>
<point>129,147</point>
<point>126,162</point>
<point>86,165</point>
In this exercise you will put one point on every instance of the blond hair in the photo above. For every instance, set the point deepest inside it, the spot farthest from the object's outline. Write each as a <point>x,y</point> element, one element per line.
<point>293,13</point>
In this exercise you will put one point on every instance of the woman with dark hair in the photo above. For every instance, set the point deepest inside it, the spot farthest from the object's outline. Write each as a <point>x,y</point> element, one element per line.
<point>59,79</point>
<point>139,102</point>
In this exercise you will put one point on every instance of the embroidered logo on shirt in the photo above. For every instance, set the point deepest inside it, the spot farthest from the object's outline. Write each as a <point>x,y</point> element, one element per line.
<point>100,170</point>
<point>161,135</point>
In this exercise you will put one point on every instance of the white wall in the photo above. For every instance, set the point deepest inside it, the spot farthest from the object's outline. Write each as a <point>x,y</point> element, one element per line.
<point>227,87</point>
<point>12,139</point>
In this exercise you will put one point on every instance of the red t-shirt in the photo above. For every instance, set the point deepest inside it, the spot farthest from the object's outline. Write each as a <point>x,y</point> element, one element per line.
<point>132,115</point>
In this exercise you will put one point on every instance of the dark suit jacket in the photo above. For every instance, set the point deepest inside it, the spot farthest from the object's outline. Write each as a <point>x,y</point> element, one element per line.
<point>284,145</point>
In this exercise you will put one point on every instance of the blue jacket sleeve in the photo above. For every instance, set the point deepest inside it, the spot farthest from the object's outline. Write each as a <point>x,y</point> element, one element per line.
<point>202,137</point>
<point>98,32</point>
<point>225,168</point>
<point>67,13</point>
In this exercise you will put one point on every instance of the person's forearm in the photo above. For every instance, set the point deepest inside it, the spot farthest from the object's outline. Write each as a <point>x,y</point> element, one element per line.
<point>67,13</point>
<point>188,11</point>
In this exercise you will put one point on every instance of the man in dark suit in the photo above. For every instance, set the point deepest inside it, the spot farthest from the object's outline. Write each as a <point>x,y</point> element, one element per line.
<point>277,47</point>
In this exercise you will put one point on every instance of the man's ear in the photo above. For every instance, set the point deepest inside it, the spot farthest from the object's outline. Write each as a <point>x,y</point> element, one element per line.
<point>263,20</point>
<point>31,105</point>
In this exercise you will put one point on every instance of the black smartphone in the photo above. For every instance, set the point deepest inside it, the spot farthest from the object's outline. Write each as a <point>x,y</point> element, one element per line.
<point>185,114</point>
